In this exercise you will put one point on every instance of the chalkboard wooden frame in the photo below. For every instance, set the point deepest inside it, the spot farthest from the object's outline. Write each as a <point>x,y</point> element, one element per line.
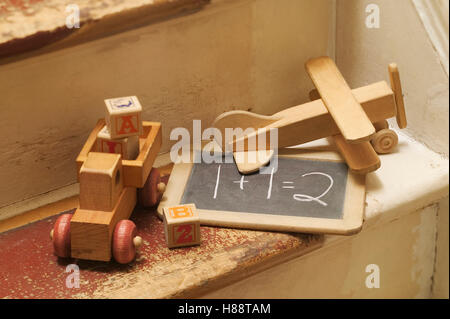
<point>353,211</point>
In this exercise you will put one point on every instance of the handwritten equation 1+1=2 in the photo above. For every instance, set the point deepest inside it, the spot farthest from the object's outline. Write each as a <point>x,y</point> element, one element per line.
<point>288,185</point>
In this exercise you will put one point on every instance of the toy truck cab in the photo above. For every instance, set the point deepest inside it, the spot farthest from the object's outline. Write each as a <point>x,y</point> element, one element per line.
<point>110,187</point>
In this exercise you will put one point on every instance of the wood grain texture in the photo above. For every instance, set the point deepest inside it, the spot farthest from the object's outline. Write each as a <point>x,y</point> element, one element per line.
<point>361,158</point>
<point>396,86</point>
<point>101,181</point>
<point>91,230</point>
<point>224,257</point>
<point>136,171</point>
<point>242,119</point>
<point>46,30</point>
<point>310,121</point>
<point>346,111</point>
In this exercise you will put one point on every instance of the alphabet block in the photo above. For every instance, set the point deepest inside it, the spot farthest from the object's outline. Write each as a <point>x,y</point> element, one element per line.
<point>101,181</point>
<point>128,147</point>
<point>182,226</point>
<point>123,116</point>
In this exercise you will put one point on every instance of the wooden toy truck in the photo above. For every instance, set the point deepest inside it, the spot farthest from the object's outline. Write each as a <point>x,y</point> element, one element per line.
<point>110,186</point>
<point>355,119</point>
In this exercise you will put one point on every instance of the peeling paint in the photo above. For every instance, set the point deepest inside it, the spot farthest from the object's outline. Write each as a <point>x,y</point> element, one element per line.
<point>423,249</point>
<point>158,272</point>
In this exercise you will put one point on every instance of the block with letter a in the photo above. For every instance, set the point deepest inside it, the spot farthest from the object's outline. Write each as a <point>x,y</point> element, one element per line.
<point>182,226</point>
<point>123,116</point>
<point>128,147</point>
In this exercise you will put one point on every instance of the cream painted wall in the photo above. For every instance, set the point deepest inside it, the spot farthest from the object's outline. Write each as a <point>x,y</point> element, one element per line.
<point>440,278</point>
<point>403,249</point>
<point>363,54</point>
<point>233,54</point>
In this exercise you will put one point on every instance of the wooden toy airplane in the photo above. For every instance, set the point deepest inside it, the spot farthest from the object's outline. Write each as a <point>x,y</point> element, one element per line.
<point>355,119</point>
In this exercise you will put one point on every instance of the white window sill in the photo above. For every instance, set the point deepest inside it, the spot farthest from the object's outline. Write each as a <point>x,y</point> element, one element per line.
<point>411,178</point>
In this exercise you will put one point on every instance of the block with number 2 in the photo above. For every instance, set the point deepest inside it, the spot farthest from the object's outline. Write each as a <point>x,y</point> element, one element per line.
<point>182,226</point>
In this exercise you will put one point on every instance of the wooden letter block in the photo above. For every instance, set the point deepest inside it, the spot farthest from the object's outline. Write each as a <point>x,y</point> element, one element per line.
<point>181,226</point>
<point>128,147</point>
<point>101,181</point>
<point>123,116</point>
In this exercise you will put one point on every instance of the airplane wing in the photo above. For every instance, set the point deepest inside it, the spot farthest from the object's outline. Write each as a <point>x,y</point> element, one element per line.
<point>337,96</point>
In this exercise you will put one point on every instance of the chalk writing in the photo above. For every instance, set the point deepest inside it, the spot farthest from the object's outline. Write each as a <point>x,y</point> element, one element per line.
<point>308,198</point>
<point>298,187</point>
<point>241,182</point>
<point>286,185</point>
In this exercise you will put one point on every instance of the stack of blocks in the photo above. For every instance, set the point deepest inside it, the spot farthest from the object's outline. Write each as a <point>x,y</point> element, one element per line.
<point>123,127</point>
<point>104,200</point>
<point>181,226</point>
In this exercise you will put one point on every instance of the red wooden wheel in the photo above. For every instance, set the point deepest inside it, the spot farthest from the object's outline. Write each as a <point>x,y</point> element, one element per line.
<point>61,236</point>
<point>150,194</point>
<point>123,246</point>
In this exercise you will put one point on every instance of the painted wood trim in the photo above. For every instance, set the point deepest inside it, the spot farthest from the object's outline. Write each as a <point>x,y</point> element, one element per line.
<point>46,20</point>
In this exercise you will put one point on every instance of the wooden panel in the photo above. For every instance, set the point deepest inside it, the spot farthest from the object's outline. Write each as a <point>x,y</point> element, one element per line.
<point>46,28</point>
<point>101,181</point>
<point>346,111</point>
<point>310,121</point>
<point>224,256</point>
<point>396,85</point>
<point>135,171</point>
<point>89,145</point>
<point>361,158</point>
<point>91,230</point>
<point>147,155</point>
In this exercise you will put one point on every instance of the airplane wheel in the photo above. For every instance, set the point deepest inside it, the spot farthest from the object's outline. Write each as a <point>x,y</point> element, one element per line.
<point>60,236</point>
<point>384,141</point>
<point>125,241</point>
<point>151,193</point>
<point>381,125</point>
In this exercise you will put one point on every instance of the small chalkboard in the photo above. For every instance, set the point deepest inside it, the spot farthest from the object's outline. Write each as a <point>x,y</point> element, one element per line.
<point>302,194</point>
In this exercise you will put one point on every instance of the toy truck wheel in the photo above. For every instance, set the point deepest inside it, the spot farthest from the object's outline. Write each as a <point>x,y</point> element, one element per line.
<point>151,193</point>
<point>60,236</point>
<point>125,241</point>
<point>384,141</point>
